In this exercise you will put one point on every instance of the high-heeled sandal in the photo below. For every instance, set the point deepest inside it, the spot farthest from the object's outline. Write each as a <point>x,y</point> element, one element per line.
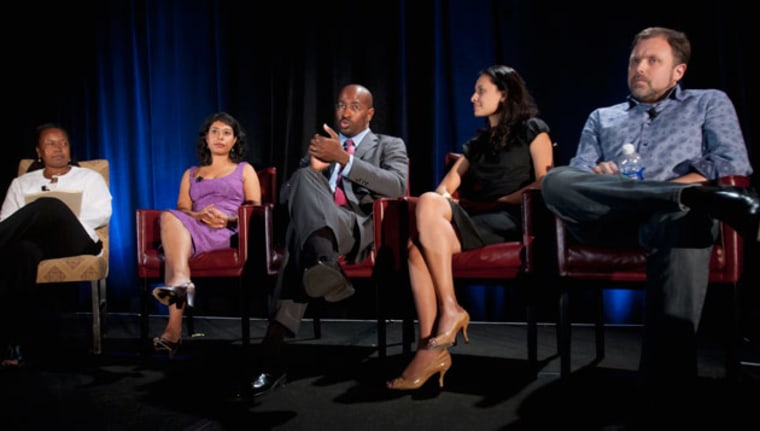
<point>161,344</point>
<point>449,338</point>
<point>178,295</point>
<point>440,364</point>
<point>13,357</point>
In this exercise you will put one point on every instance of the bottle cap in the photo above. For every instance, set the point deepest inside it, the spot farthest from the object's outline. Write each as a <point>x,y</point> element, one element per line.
<point>628,149</point>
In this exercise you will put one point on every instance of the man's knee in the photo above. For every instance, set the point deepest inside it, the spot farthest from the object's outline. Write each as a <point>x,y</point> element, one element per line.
<point>554,182</point>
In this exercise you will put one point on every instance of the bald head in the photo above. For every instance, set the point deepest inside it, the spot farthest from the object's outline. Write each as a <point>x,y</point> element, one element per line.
<point>354,109</point>
<point>361,92</point>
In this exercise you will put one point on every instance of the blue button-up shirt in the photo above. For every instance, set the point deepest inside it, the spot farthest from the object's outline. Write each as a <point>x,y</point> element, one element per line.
<point>688,131</point>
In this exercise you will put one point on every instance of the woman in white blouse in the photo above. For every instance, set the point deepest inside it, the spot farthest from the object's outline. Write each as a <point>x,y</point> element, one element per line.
<point>45,228</point>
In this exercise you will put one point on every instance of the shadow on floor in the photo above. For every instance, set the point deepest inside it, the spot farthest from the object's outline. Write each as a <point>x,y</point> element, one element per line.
<point>338,385</point>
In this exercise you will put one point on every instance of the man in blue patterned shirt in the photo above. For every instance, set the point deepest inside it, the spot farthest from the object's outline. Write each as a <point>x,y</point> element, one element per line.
<point>685,138</point>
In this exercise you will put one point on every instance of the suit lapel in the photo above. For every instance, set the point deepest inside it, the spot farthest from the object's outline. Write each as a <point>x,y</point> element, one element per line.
<point>369,142</point>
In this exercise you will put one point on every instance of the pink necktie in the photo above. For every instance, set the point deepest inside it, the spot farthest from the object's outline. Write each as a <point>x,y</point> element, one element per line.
<point>340,195</point>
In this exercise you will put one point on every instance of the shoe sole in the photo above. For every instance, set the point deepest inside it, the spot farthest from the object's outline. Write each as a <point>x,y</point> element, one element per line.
<point>163,296</point>
<point>346,292</point>
<point>323,281</point>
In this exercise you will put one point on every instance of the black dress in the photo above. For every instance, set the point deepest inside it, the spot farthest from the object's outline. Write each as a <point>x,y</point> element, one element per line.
<point>492,174</point>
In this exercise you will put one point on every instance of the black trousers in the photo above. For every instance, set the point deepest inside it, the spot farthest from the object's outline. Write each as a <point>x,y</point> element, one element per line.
<point>43,229</point>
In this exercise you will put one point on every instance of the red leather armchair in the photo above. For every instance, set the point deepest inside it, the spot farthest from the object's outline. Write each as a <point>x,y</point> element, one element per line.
<point>598,268</point>
<point>511,262</point>
<point>255,237</point>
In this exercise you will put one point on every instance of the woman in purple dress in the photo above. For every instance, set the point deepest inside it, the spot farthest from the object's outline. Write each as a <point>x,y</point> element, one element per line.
<point>206,215</point>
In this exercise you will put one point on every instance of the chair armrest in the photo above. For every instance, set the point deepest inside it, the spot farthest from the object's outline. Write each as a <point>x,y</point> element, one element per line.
<point>244,223</point>
<point>391,232</point>
<point>537,227</point>
<point>264,257</point>
<point>733,243</point>
<point>148,232</point>
<point>734,180</point>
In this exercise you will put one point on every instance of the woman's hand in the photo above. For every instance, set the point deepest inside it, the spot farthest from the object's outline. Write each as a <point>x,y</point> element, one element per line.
<point>213,217</point>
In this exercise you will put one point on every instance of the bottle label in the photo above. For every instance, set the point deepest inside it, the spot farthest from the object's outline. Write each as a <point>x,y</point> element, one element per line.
<point>634,175</point>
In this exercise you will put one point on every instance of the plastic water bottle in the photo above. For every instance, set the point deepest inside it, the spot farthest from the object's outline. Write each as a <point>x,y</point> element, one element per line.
<point>630,164</point>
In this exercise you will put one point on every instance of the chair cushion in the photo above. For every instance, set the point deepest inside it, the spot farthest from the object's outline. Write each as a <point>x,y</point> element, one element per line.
<point>502,260</point>
<point>75,268</point>
<point>216,263</point>
<point>622,264</point>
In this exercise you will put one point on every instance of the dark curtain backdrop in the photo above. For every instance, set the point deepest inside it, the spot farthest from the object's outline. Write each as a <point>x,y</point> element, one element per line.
<point>133,80</point>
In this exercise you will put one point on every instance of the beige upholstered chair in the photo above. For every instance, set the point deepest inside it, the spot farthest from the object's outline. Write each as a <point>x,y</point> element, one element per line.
<point>84,267</point>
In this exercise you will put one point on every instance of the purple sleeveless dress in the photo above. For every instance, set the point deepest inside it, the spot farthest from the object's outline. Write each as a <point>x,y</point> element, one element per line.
<point>226,193</point>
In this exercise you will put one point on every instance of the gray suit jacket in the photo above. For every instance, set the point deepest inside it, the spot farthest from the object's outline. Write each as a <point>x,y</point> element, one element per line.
<point>380,169</point>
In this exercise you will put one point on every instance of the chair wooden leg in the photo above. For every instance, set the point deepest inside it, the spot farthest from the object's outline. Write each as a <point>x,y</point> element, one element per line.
<point>407,335</point>
<point>189,321</point>
<point>599,325</point>
<point>564,333</point>
<point>317,323</point>
<point>245,320</point>
<point>98,304</point>
<point>532,337</point>
<point>734,337</point>
<point>382,340</point>
<point>144,314</point>
<point>382,329</point>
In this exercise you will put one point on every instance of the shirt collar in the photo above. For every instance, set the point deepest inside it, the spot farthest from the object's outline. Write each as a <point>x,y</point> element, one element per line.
<point>675,93</point>
<point>356,138</point>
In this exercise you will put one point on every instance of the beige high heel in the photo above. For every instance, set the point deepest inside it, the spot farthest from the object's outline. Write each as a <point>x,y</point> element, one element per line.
<point>449,338</point>
<point>440,364</point>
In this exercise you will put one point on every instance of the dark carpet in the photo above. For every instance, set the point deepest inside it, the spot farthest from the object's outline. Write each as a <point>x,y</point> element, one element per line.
<point>337,383</point>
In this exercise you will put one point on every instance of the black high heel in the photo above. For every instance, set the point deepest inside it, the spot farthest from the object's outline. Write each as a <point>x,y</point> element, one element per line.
<point>161,344</point>
<point>13,357</point>
<point>178,295</point>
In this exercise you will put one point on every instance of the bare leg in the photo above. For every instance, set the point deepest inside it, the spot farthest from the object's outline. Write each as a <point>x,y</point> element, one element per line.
<point>431,278</point>
<point>438,242</point>
<point>176,243</point>
<point>423,292</point>
<point>426,305</point>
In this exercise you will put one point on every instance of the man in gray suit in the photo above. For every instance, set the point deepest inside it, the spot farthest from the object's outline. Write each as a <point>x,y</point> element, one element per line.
<point>329,201</point>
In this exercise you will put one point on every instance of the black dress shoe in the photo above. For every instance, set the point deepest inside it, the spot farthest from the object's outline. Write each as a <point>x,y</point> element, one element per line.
<point>266,382</point>
<point>736,206</point>
<point>326,279</point>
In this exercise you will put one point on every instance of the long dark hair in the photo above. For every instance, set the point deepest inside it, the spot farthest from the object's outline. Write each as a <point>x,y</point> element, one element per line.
<point>38,163</point>
<point>238,151</point>
<point>518,107</point>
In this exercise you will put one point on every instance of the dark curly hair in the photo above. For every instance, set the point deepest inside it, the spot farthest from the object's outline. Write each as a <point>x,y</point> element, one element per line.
<point>518,107</point>
<point>238,151</point>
